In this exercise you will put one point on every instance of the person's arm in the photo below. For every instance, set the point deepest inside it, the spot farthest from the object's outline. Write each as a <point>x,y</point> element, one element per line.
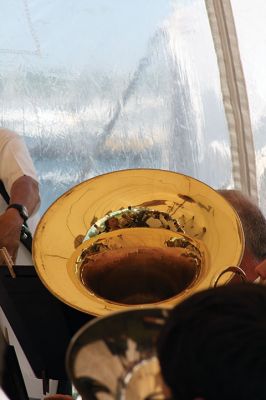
<point>25,191</point>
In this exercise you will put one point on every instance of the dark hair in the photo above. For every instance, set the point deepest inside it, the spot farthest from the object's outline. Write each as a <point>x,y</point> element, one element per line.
<point>213,345</point>
<point>252,219</point>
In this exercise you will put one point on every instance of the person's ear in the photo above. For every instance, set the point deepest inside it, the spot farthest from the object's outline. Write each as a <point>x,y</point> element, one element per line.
<point>261,269</point>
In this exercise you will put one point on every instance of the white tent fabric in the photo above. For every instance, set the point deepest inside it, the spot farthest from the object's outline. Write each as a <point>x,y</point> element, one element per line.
<point>137,85</point>
<point>234,95</point>
<point>101,85</point>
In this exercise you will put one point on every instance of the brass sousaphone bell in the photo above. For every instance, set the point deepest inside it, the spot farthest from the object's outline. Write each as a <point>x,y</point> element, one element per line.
<point>136,238</point>
<point>114,357</point>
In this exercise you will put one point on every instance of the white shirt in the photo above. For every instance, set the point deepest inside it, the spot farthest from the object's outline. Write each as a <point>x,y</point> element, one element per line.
<point>15,161</point>
<point>2,395</point>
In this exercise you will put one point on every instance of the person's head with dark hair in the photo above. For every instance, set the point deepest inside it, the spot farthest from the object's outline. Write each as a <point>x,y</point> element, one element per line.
<point>254,227</point>
<point>213,346</point>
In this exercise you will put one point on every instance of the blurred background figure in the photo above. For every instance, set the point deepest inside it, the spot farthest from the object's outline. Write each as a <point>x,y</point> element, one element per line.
<point>254,226</point>
<point>19,204</point>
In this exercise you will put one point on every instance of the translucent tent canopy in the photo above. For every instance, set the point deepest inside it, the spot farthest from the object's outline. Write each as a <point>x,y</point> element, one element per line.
<point>102,85</point>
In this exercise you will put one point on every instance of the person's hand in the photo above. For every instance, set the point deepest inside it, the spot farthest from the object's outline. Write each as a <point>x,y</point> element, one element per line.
<point>10,228</point>
<point>261,270</point>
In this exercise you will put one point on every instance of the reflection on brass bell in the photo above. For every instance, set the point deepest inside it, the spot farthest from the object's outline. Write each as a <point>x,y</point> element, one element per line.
<point>135,265</point>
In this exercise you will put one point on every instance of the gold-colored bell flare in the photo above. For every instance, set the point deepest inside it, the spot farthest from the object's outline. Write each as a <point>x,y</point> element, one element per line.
<point>114,357</point>
<point>211,227</point>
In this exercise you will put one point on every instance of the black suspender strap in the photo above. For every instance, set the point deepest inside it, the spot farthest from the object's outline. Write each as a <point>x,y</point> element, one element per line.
<point>4,192</point>
<point>25,236</point>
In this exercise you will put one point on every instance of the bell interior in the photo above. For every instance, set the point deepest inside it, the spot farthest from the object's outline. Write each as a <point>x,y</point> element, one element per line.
<point>140,279</point>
